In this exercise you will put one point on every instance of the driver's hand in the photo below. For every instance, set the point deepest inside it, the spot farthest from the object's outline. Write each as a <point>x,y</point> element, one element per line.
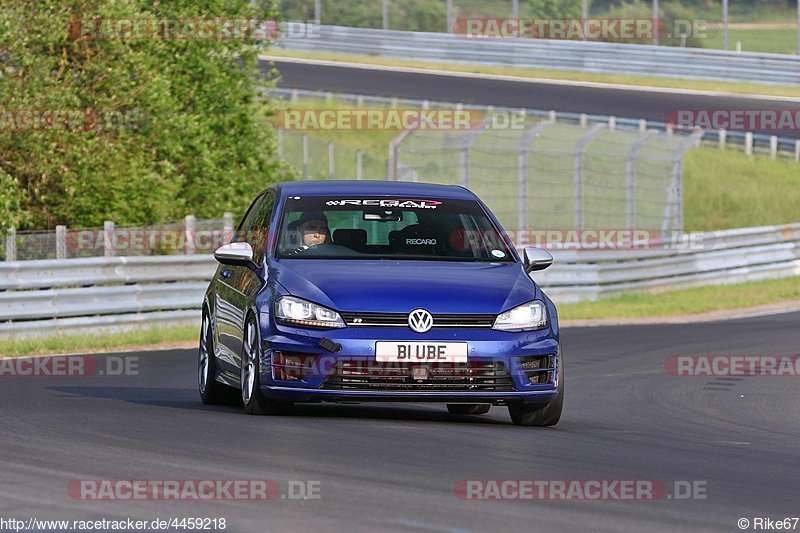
<point>300,249</point>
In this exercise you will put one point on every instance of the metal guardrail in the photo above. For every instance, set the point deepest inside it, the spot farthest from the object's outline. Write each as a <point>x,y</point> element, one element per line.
<point>51,297</point>
<point>582,56</point>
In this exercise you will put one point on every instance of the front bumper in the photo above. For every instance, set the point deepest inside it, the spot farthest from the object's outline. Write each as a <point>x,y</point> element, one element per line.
<point>504,349</point>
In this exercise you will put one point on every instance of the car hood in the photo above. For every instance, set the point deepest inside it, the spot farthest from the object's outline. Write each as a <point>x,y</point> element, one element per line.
<point>400,286</point>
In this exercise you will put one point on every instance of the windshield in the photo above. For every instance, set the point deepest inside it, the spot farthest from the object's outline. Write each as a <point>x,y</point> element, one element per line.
<point>388,228</point>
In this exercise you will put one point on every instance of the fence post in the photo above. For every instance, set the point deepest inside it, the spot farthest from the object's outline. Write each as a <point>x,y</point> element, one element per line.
<point>359,165</point>
<point>464,180</point>
<point>280,143</point>
<point>577,160</point>
<point>227,227</point>
<point>630,174</point>
<point>449,9</point>
<point>61,242</point>
<point>522,172</point>
<point>189,231</point>
<point>11,245</point>
<point>331,169</point>
<point>108,238</point>
<point>305,156</point>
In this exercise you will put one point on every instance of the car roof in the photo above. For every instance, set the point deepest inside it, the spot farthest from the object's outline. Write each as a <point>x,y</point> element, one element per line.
<point>389,188</point>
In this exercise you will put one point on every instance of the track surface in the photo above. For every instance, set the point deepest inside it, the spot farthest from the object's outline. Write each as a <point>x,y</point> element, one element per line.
<point>388,466</point>
<point>577,99</point>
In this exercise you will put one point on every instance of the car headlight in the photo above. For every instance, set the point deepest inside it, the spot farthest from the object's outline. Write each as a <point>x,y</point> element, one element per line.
<point>532,315</point>
<point>291,311</point>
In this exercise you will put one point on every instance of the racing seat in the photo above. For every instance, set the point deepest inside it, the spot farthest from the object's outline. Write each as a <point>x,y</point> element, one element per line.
<point>416,239</point>
<point>355,239</point>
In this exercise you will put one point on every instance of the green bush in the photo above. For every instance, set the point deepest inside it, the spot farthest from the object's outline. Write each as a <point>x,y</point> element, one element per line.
<point>170,126</point>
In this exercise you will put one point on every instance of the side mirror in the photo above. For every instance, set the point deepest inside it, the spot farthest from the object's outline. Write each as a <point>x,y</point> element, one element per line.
<point>536,259</point>
<point>235,254</point>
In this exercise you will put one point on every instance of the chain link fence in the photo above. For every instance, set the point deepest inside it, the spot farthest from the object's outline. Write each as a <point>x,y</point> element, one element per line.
<point>186,237</point>
<point>534,169</point>
<point>553,175</point>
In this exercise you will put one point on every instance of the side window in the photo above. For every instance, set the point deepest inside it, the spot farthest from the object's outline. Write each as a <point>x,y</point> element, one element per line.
<point>241,231</point>
<point>259,229</point>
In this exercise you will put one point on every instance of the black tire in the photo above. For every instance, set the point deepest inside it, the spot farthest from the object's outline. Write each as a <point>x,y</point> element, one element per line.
<point>541,415</point>
<point>254,401</point>
<point>468,409</point>
<point>212,392</point>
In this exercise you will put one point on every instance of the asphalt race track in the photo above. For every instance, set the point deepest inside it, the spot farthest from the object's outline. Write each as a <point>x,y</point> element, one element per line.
<point>388,466</point>
<point>569,98</point>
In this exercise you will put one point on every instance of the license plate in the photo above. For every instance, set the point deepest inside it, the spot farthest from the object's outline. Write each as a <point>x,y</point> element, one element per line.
<point>405,352</point>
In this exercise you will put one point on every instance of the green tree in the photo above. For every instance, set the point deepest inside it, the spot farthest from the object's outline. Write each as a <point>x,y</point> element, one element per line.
<point>166,126</point>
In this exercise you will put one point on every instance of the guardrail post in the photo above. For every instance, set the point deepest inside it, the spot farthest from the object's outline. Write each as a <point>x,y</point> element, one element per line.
<point>612,123</point>
<point>642,125</point>
<point>359,164</point>
<point>583,120</point>
<point>227,227</point>
<point>61,242</point>
<point>280,143</point>
<point>797,150</point>
<point>189,231</point>
<point>723,137</point>
<point>11,244</point>
<point>108,238</point>
<point>331,169</point>
<point>305,156</point>
<point>360,100</point>
<point>773,146</point>
<point>385,14</point>
<point>551,115</point>
<point>748,144</point>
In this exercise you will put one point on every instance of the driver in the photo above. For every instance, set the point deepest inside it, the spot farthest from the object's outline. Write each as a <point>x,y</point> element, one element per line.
<point>313,229</point>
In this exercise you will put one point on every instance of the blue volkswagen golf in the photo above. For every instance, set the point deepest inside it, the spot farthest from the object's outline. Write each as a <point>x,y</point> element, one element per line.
<point>358,291</point>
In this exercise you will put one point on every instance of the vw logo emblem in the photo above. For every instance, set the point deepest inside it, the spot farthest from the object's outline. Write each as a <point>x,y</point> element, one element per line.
<point>420,320</point>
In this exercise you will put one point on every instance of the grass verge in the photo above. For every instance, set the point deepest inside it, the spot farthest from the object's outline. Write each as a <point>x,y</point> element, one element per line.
<point>618,79</point>
<point>87,343</point>
<point>686,301</point>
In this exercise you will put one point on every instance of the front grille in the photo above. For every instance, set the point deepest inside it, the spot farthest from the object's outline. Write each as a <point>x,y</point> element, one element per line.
<point>473,376</point>
<point>401,320</point>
